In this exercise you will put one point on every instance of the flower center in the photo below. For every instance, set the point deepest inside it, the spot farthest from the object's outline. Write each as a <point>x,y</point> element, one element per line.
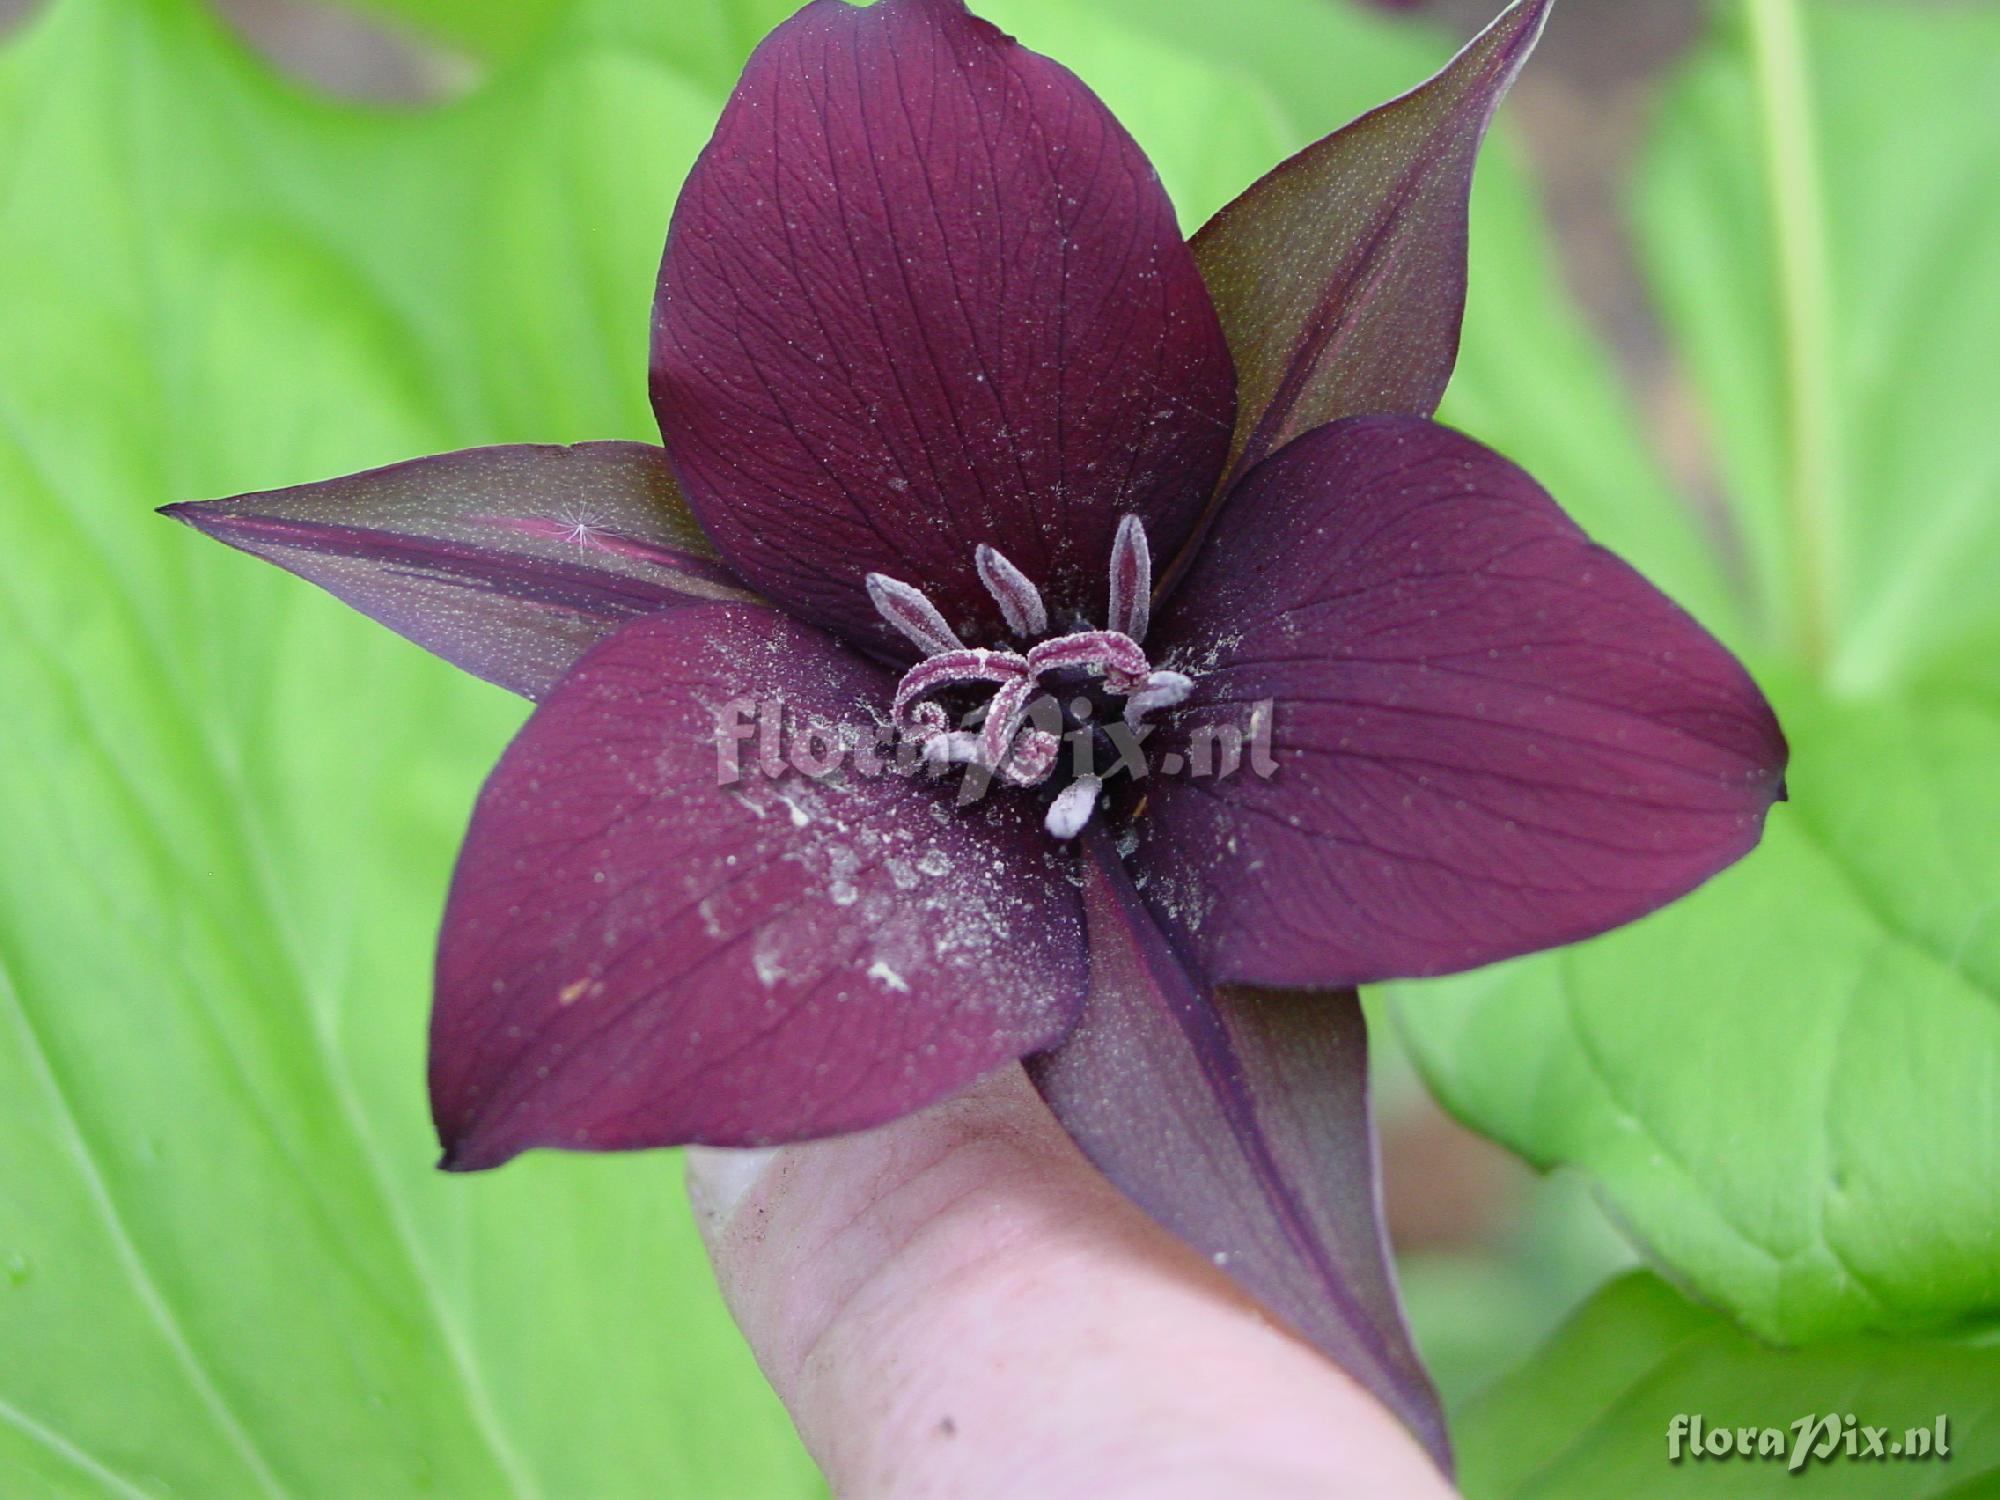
<point>1017,728</point>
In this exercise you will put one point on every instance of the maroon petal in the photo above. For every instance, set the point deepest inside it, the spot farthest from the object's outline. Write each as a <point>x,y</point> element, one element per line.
<point>1240,1121</point>
<point>637,954</point>
<point>508,562</point>
<point>1491,736</point>
<point>1340,277</point>
<point>923,292</point>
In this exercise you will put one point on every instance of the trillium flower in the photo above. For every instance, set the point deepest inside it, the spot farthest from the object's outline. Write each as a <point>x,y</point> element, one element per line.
<point>1265,685</point>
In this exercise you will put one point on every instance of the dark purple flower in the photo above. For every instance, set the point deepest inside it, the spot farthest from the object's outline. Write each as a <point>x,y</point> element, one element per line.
<point>942,391</point>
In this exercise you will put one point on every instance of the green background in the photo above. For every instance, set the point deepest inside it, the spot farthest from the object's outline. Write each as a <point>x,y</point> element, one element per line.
<point>228,807</point>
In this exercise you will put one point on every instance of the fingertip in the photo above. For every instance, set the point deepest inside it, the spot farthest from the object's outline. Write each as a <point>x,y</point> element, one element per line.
<point>959,1305</point>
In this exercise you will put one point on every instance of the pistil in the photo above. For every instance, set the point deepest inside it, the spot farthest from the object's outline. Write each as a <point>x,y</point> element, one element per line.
<point>1006,745</point>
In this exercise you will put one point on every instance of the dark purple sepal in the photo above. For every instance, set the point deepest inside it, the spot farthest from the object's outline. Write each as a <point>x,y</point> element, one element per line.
<point>1489,735</point>
<point>1240,1121</point>
<point>638,952</point>
<point>509,562</point>
<point>922,292</point>
<point>1340,277</point>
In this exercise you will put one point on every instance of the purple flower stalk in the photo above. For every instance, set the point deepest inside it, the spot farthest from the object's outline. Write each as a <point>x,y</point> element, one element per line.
<point>1038,638</point>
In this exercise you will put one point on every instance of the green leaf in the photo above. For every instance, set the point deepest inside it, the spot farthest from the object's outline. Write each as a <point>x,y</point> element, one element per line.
<point>1787,1087</point>
<point>226,1266</point>
<point>1833,295</point>
<point>1590,1415</point>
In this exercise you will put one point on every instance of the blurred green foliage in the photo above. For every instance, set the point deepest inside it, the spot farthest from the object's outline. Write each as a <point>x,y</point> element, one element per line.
<point>228,807</point>
<point>230,810</point>
<point>1591,1414</point>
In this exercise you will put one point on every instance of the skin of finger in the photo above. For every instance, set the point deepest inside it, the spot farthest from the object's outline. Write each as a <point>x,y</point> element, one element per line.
<point>958,1307</point>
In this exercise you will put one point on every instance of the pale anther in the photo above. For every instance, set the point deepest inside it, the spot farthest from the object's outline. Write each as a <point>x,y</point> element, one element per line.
<point>956,747</point>
<point>914,616</point>
<point>1072,809</point>
<point>1161,690</point>
<point>1131,580</point>
<point>1019,600</point>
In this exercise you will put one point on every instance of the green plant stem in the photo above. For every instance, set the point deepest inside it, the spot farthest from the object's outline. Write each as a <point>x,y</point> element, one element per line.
<point>1805,302</point>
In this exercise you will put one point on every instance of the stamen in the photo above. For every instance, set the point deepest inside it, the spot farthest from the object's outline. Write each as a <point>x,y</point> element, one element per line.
<point>1131,579</point>
<point>1117,655</point>
<point>1161,690</point>
<point>1019,600</point>
<point>1072,809</point>
<point>1011,743</point>
<point>913,615</point>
